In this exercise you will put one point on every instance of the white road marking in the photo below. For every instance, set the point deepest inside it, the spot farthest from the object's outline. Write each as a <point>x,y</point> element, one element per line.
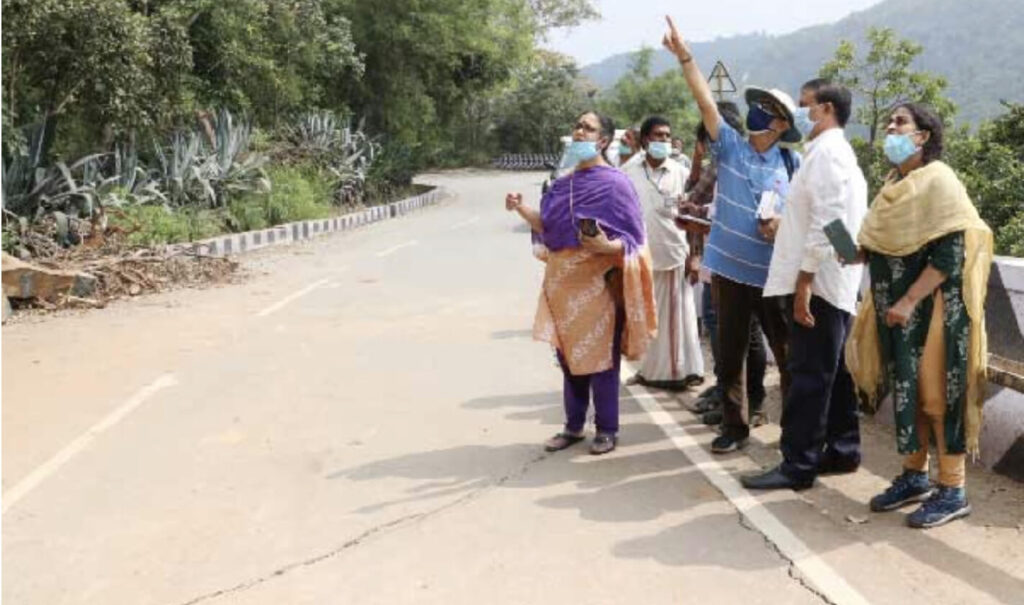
<point>466,223</point>
<point>817,572</point>
<point>394,249</point>
<point>291,297</point>
<point>30,482</point>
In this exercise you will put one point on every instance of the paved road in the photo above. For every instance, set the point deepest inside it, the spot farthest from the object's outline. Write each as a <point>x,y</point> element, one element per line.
<point>358,421</point>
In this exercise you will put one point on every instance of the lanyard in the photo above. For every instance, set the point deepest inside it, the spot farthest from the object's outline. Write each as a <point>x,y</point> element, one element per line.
<point>647,174</point>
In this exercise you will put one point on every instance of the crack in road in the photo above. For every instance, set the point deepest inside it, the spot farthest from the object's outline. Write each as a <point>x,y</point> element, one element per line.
<point>791,570</point>
<point>407,520</point>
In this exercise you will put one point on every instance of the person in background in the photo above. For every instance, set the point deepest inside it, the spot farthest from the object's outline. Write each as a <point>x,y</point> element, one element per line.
<point>820,428</point>
<point>751,172</point>
<point>674,360</point>
<point>921,328</point>
<point>700,202</point>
<point>677,148</point>
<point>629,147</point>
<point>596,301</point>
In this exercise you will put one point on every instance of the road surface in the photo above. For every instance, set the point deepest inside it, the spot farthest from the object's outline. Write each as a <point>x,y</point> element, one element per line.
<point>359,421</point>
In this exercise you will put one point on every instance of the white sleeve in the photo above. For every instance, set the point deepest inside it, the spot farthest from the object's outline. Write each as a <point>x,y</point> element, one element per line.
<point>831,197</point>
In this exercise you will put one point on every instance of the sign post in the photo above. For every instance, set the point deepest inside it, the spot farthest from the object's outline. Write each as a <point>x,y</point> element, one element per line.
<point>721,82</point>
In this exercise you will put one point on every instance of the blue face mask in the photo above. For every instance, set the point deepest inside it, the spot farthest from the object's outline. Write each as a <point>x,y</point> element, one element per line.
<point>659,150</point>
<point>759,120</point>
<point>803,122</point>
<point>899,147</point>
<point>625,149</point>
<point>582,151</point>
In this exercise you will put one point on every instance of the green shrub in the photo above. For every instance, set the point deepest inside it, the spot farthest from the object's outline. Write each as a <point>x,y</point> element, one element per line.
<point>1010,237</point>
<point>156,225</point>
<point>297,193</point>
<point>391,171</point>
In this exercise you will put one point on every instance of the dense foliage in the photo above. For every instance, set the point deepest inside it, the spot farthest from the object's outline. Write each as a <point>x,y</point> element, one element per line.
<point>203,105</point>
<point>990,161</point>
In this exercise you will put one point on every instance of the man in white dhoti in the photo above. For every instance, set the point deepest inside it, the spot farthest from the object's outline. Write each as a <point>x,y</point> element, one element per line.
<point>674,359</point>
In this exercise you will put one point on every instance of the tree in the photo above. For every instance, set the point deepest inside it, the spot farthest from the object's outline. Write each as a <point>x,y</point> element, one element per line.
<point>991,165</point>
<point>881,80</point>
<point>638,95</point>
<point>539,108</point>
<point>549,14</point>
<point>95,61</point>
<point>272,59</point>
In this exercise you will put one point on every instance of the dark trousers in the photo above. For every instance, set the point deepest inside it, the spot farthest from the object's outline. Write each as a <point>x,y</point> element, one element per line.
<point>757,358</point>
<point>737,305</point>
<point>820,411</point>
<point>605,386</point>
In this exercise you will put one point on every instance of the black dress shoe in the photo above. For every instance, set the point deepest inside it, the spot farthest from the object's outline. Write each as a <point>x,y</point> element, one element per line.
<point>831,464</point>
<point>774,479</point>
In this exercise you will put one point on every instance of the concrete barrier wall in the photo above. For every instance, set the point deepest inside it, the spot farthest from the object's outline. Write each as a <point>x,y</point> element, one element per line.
<point>240,243</point>
<point>1002,434</point>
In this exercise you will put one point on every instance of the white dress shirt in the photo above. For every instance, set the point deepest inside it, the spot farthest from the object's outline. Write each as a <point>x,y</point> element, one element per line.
<point>828,185</point>
<point>659,189</point>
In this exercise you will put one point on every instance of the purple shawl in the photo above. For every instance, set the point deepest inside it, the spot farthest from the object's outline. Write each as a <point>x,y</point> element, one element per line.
<point>601,193</point>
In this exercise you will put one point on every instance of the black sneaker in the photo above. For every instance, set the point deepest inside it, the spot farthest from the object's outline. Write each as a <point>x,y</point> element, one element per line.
<point>907,488</point>
<point>724,444</point>
<point>711,391</point>
<point>702,405</point>
<point>713,417</point>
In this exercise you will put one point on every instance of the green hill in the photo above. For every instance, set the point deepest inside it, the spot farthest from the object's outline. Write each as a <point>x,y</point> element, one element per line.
<point>977,45</point>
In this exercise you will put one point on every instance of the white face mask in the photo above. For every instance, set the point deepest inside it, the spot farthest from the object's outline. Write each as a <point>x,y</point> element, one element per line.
<point>803,122</point>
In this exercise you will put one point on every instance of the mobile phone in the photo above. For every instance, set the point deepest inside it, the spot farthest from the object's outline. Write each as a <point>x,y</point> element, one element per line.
<point>588,227</point>
<point>841,240</point>
<point>696,220</point>
<point>693,224</point>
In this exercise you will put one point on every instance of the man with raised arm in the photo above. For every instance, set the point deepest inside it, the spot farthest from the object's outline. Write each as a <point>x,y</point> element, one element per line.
<point>753,181</point>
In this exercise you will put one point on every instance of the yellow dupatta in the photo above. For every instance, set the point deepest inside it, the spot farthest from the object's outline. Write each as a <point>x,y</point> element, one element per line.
<point>927,204</point>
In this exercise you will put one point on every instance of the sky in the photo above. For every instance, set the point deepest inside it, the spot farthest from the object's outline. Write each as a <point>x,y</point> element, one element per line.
<point>626,25</point>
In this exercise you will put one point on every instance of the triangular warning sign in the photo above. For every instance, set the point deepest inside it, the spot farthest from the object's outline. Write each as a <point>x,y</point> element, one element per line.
<point>720,80</point>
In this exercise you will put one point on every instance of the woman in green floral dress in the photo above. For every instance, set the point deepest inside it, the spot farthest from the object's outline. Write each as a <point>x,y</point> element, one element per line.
<point>928,254</point>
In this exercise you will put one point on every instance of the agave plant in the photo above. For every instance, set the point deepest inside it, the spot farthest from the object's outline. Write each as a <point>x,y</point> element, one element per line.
<point>24,175</point>
<point>232,168</point>
<point>317,131</point>
<point>178,170</point>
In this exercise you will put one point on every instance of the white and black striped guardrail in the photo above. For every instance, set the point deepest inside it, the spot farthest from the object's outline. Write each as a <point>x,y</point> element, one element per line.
<point>525,161</point>
<point>239,243</point>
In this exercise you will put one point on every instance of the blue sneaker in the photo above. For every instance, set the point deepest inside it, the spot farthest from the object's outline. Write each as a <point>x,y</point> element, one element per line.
<point>947,504</point>
<point>910,487</point>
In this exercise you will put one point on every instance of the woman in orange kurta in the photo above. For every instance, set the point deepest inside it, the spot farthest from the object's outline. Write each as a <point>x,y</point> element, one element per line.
<point>597,300</point>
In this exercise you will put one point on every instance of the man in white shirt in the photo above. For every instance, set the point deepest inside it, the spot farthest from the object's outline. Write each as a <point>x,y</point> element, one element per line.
<point>820,431</point>
<point>674,359</point>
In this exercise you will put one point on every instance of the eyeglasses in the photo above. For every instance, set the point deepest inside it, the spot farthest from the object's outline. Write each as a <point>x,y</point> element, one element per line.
<point>901,120</point>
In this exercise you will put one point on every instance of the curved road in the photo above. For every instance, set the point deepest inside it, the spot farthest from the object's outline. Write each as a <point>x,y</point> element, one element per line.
<point>358,421</point>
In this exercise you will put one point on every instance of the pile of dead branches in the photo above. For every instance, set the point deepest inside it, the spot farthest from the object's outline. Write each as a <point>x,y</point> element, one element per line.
<point>131,272</point>
<point>121,270</point>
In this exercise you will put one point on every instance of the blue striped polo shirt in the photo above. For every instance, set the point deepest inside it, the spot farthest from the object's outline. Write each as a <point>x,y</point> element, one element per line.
<point>735,250</point>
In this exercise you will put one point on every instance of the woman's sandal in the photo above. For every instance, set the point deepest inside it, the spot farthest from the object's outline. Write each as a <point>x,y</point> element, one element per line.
<point>603,443</point>
<point>561,441</point>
